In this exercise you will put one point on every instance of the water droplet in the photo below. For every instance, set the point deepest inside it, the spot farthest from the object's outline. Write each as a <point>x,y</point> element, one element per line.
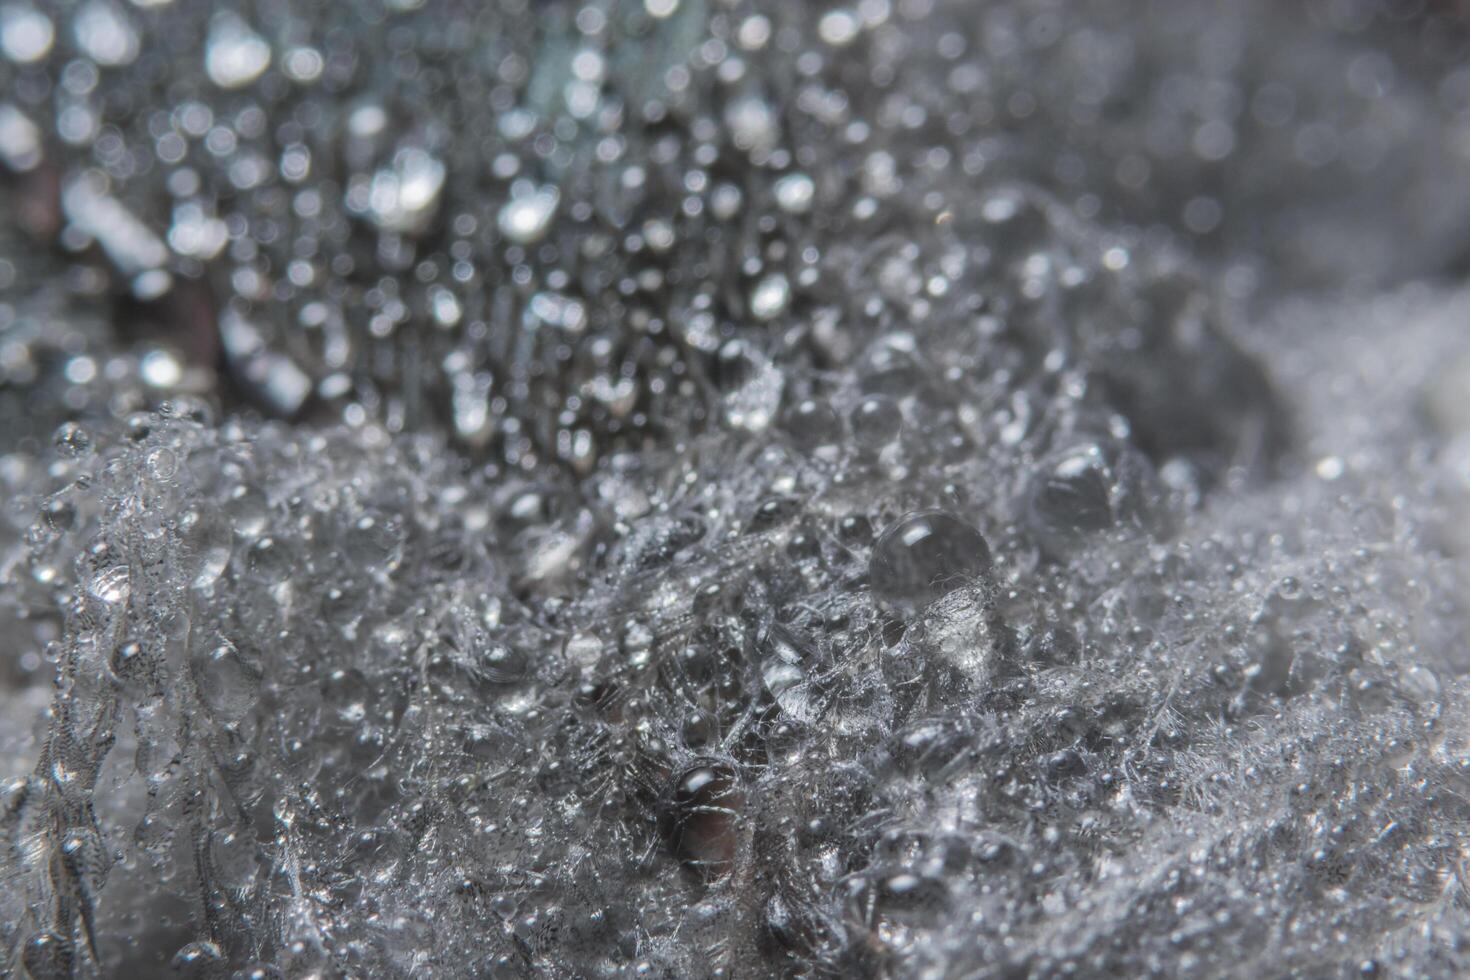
<point>1084,490</point>
<point>47,956</point>
<point>1071,493</point>
<point>1419,683</point>
<point>525,218</point>
<point>60,512</point>
<point>198,958</point>
<point>227,684</point>
<point>702,817</point>
<point>72,441</point>
<point>795,192</point>
<point>112,585</point>
<point>268,561</point>
<point>753,124</point>
<point>232,860</point>
<point>346,693</point>
<point>908,896</point>
<point>26,34</point>
<point>924,556</point>
<point>876,422</point>
<point>404,196</point>
<point>770,297</point>
<point>209,542</point>
<point>129,660</point>
<point>105,34</point>
<point>375,542</point>
<point>234,54</point>
<point>813,425</point>
<point>248,509</point>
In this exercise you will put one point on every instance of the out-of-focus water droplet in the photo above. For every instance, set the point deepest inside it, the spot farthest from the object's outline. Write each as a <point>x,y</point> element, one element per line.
<point>344,604</point>
<point>105,34</point>
<point>234,54</point>
<point>795,193</point>
<point>20,140</point>
<point>753,124</point>
<point>26,34</point>
<point>346,693</point>
<point>525,218</point>
<point>564,313</point>
<point>770,297</point>
<point>405,195</point>
<point>268,561</point>
<point>838,28</point>
<point>923,556</point>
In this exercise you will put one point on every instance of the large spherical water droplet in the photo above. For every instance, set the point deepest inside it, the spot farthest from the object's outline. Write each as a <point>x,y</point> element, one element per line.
<point>72,441</point>
<point>876,422</point>
<point>703,810</point>
<point>375,542</point>
<point>47,956</point>
<point>813,425</point>
<point>924,556</point>
<point>1071,493</point>
<point>1086,489</point>
<point>228,684</point>
<point>232,860</point>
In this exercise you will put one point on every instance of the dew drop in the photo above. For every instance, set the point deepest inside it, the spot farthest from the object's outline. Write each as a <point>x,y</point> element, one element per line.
<point>227,683</point>
<point>47,956</point>
<point>703,812</point>
<point>813,424</point>
<point>924,556</point>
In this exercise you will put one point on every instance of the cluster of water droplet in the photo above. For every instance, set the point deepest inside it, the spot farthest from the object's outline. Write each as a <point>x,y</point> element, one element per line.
<point>748,495</point>
<point>541,229</point>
